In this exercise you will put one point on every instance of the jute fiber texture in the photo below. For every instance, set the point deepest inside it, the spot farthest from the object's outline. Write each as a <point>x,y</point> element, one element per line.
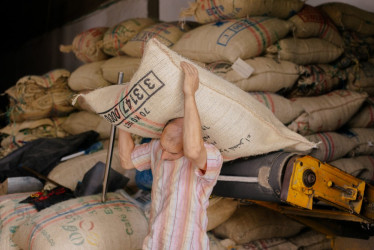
<point>236,123</point>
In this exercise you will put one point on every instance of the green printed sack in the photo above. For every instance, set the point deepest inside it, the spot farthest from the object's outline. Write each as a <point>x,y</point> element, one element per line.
<point>230,39</point>
<point>85,223</point>
<point>12,215</point>
<point>232,120</point>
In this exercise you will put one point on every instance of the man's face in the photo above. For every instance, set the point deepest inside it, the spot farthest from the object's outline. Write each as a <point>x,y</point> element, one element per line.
<point>171,143</point>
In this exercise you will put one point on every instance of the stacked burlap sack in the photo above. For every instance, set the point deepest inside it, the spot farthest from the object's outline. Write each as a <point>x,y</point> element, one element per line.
<point>38,107</point>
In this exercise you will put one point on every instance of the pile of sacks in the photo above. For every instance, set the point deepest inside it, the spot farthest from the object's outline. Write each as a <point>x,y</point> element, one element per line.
<point>312,68</point>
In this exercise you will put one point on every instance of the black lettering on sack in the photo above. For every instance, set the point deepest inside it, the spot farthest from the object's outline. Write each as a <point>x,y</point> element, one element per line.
<point>136,97</point>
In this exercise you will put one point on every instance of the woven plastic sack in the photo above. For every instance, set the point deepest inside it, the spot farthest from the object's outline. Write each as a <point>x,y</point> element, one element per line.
<point>167,33</point>
<point>154,96</point>
<point>326,112</point>
<point>219,210</point>
<point>268,74</point>
<point>85,223</point>
<point>305,51</point>
<point>230,39</point>
<point>86,46</point>
<point>118,35</point>
<point>311,22</point>
<point>206,11</point>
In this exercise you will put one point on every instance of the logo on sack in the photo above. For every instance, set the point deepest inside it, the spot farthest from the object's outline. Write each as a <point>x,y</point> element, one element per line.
<point>138,95</point>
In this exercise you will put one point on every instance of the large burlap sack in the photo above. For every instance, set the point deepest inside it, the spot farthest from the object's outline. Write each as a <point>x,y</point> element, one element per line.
<point>361,166</point>
<point>283,108</point>
<point>311,22</point>
<point>349,17</point>
<point>84,121</point>
<point>206,11</point>
<point>16,135</point>
<point>88,76</point>
<point>268,74</point>
<point>36,97</point>
<point>70,172</point>
<point>228,40</point>
<point>331,146</point>
<point>111,67</point>
<point>364,118</point>
<point>12,215</point>
<point>85,223</point>
<point>253,222</point>
<point>356,49</point>
<point>326,112</point>
<point>232,120</point>
<point>86,47</point>
<point>118,35</point>
<point>219,210</point>
<point>364,138</point>
<point>317,80</point>
<point>304,51</point>
<point>167,33</point>
<point>361,78</point>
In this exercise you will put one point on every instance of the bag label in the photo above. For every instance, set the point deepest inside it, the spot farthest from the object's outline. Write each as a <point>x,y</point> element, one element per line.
<point>137,96</point>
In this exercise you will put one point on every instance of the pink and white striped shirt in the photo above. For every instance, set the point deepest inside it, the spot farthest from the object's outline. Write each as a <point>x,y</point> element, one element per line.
<point>180,197</point>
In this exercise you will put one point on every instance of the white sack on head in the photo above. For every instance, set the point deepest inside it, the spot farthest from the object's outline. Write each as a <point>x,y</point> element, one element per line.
<point>232,120</point>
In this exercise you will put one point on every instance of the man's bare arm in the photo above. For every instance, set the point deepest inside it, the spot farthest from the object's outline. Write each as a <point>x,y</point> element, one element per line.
<point>126,146</point>
<point>193,144</point>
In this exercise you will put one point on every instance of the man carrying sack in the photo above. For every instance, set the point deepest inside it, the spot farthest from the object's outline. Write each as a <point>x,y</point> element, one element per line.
<point>185,170</point>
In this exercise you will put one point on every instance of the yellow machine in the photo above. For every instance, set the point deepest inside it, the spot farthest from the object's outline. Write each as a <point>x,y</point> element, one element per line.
<point>304,188</point>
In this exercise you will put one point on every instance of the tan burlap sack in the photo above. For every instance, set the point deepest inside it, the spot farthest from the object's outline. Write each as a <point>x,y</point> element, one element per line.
<point>304,51</point>
<point>231,119</point>
<point>20,133</point>
<point>231,39</point>
<point>87,77</point>
<point>111,67</point>
<point>12,215</point>
<point>253,222</point>
<point>318,79</point>
<point>364,139</point>
<point>219,210</point>
<point>349,17</point>
<point>167,33</point>
<point>361,78</point>
<point>85,223</point>
<point>69,172</point>
<point>84,121</point>
<point>360,166</point>
<point>86,46</point>
<point>118,35</point>
<point>37,97</point>
<point>311,22</point>
<point>364,118</point>
<point>331,146</point>
<point>268,74</point>
<point>206,11</point>
<point>283,108</point>
<point>326,112</point>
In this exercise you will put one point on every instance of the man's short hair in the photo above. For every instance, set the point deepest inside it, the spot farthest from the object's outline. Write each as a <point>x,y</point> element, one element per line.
<point>170,121</point>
